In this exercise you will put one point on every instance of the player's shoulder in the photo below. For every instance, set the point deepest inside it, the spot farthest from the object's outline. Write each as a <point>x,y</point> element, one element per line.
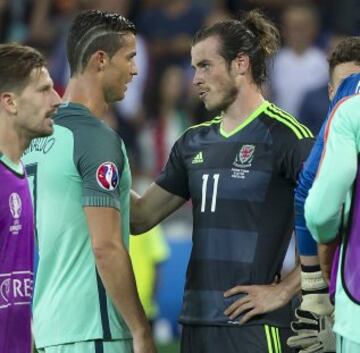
<point>349,106</point>
<point>351,102</point>
<point>282,123</point>
<point>84,125</point>
<point>349,86</point>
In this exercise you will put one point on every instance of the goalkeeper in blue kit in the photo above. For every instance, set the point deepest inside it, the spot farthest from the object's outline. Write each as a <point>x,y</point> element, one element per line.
<point>313,327</point>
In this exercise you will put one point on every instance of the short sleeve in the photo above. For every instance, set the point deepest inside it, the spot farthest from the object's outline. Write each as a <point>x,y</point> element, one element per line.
<point>99,160</point>
<point>174,177</point>
<point>295,153</point>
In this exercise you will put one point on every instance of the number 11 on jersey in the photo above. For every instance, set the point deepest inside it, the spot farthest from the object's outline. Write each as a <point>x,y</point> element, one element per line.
<point>205,179</point>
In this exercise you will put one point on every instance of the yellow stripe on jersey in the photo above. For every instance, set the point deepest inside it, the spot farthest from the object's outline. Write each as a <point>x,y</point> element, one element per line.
<point>278,339</point>
<point>304,128</point>
<point>268,339</point>
<point>216,120</point>
<point>294,128</point>
<point>291,120</point>
<point>275,340</point>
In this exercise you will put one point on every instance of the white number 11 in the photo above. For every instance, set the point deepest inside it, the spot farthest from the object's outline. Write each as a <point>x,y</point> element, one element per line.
<point>205,179</point>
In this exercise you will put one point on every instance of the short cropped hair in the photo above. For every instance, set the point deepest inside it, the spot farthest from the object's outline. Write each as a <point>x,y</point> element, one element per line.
<point>348,50</point>
<point>95,30</point>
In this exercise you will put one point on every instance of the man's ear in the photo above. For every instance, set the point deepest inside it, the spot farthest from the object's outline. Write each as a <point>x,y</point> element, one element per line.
<point>98,61</point>
<point>8,102</point>
<point>241,64</point>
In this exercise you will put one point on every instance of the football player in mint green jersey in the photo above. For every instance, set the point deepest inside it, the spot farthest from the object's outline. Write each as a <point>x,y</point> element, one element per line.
<point>337,187</point>
<point>85,297</point>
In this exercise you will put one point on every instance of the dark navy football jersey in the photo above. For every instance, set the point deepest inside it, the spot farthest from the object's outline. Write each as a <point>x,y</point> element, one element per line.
<point>241,186</point>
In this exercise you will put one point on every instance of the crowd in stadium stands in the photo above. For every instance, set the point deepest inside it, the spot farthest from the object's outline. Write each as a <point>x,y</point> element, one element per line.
<point>160,102</point>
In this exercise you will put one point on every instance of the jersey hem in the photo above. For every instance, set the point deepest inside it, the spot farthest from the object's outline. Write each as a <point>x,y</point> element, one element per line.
<point>43,344</point>
<point>234,324</point>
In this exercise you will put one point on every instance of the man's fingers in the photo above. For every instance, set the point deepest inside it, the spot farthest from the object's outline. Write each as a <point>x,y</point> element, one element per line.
<point>236,290</point>
<point>236,304</point>
<point>239,310</point>
<point>249,315</point>
<point>315,348</point>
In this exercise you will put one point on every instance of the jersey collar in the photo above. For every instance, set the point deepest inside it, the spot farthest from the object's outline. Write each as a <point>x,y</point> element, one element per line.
<point>247,121</point>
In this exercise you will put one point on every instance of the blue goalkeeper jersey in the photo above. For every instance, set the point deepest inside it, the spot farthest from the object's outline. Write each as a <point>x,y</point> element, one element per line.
<point>350,86</point>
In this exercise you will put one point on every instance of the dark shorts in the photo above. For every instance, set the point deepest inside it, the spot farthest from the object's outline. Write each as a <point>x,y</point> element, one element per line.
<point>228,339</point>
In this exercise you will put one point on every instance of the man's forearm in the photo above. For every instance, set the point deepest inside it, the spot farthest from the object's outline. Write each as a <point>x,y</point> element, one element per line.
<point>291,283</point>
<point>114,267</point>
<point>138,223</point>
<point>326,255</point>
<point>150,209</point>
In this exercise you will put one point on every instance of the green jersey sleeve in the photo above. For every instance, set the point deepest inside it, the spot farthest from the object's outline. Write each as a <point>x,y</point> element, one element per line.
<point>99,159</point>
<point>336,173</point>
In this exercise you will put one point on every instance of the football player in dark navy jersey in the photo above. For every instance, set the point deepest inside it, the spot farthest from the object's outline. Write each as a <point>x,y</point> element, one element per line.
<point>240,171</point>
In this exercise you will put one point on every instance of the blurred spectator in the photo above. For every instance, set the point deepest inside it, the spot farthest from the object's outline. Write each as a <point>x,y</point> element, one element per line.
<point>14,20</point>
<point>50,25</point>
<point>272,8</point>
<point>314,105</point>
<point>168,29</point>
<point>131,107</point>
<point>159,135</point>
<point>218,12</point>
<point>342,16</point>
<point>299,66</point>
<point>313,108</point>
<point>148,251</point>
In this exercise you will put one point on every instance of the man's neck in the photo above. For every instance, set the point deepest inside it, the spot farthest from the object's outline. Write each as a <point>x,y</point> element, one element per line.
<point>12,143</point>
<point>247,101</point>
<point>84,90</point>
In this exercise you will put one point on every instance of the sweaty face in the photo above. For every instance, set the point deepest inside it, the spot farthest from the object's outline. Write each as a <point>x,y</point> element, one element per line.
<point>213,79</point>
<point>340,72</point>
<point>36,105</point>
<point>120,70</point>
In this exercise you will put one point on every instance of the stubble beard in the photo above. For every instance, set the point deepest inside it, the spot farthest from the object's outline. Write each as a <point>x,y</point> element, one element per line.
<point>229,97</point>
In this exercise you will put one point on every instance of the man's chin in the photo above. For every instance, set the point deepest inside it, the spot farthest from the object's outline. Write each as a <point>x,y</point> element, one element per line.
<point>45,132</point>
<point>211,107</point>
<point>121,96</point>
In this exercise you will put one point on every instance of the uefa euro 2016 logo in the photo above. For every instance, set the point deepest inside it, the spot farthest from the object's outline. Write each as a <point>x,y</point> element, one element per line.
<point>15,205</point>
<point>107,176</point>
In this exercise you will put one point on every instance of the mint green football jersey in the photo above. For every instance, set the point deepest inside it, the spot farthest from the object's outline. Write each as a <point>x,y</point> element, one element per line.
<point>84,163</point>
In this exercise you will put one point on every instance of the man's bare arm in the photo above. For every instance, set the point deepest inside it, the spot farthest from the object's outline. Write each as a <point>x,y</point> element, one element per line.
<point>151,208</point>
<point>114,267</point>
